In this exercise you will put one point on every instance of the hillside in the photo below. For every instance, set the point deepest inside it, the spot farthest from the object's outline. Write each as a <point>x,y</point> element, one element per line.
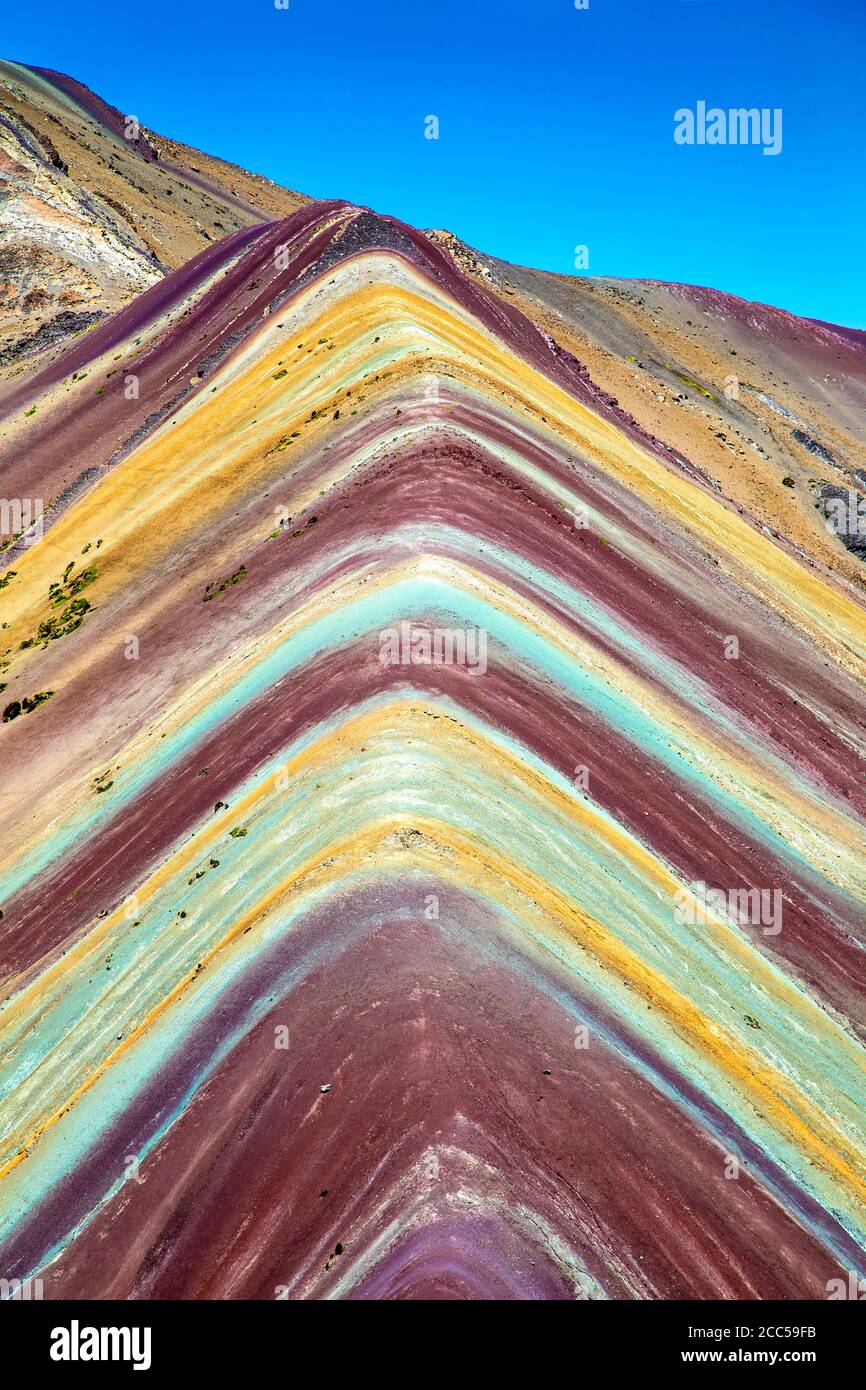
<point>89,218</point>
<point>410,642</point>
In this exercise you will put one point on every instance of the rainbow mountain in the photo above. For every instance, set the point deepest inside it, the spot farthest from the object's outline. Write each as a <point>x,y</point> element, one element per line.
<point>433,801</point>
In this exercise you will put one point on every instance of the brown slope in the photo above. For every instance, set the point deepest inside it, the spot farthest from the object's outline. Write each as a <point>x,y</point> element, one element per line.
<point>768,406</point>
<point>89,218</point>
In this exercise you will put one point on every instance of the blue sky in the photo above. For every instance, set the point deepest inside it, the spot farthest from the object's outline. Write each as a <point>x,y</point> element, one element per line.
<point>555,124</point>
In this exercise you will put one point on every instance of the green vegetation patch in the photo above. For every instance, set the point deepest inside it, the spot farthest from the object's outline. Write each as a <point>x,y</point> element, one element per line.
<point>210,592</point>
<point>25,706</point>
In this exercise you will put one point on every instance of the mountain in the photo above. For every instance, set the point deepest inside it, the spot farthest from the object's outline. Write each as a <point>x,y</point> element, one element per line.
<point>433,810</point>
<point>96,208</point>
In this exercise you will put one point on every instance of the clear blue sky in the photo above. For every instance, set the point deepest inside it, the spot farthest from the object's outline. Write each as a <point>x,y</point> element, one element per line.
<point>556,125</point>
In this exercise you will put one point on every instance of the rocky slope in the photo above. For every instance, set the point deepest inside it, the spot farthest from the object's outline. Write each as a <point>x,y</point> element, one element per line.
<point>95,208</point>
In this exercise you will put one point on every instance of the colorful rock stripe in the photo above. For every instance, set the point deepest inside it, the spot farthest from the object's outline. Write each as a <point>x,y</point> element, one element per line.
<point>326,976</point>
